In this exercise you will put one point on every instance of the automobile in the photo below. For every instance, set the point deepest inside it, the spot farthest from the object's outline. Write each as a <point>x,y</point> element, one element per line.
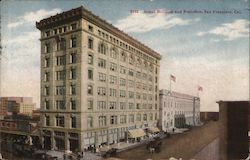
<point>109,153</point>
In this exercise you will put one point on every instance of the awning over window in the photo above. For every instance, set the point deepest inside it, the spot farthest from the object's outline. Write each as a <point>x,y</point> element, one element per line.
<point>153,130</point>
<point>135,133</point>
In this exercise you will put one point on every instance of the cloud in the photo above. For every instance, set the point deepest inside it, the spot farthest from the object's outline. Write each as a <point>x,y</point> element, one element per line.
<point>144,22</point>
<point>230,31</point>
<point>32,17</point>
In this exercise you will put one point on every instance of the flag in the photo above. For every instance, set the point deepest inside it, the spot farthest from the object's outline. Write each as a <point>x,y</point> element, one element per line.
<point>200,88</point>
<point>172,78</point>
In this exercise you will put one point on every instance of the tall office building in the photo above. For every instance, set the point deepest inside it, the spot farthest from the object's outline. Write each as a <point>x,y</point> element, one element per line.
<point>98,84</point>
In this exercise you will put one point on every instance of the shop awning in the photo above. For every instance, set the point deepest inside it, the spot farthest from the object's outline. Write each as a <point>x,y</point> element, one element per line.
<point>135,133</point>
<point>154,130</point>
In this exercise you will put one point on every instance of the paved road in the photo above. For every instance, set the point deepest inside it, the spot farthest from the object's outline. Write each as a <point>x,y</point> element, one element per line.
<point>184,145</point>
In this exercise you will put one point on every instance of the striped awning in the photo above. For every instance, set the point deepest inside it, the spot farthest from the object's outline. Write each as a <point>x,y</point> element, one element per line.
<point>135,133</point>
<point>153,129</point>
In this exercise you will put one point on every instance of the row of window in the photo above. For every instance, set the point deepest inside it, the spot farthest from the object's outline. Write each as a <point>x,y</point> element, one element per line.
<point>60,30</point>
<point>60,120</point>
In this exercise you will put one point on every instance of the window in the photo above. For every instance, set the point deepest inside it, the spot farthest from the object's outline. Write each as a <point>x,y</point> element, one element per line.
<point>46,62</point>
<point>102,121</point>
<point>102,77</point>
<point>155,116</point>
<point>72,89</point>
<point>101,105</point>
<point>138,117</point>
<point>90,59</point>
<point>123,56</point>
<point>90,122</point>
<point>73,104</point>
<point>90,43</point>
<point>131,94</point>
<point>60,90</point>
<point>60,75</point>
<point>73,58</point>
<point>144,96</point>
<point>47,120</point>
<point>60,104</point>
<point>73,42</point>
<point>73,121</point>
<point>102,48</point>
<point>90,74</point>
<point>73,73</point>
<point>47,48</point>
<point>131,72</point>
<point>138,74</point>
<point>55,31</point>
<point>47,33</point>
<point>46,91</point>
<point>101,91</point>
<point>123,119</point>
<point>91,28</point>
<point>130,84</point>
<point>90,89</point>
<point>131,106</point>
<point>46,77</point>
<point>101,63</point>
<point>60,121</point>
<point>112,79</point>
<point>138,105</point>
<point>131,118</point>
<point>151,116</point>
<point>112,105</point>
<point>46,104</point>
<point>90,104</point>
<point>122,70</point>
<point>150,78</point>
<point>61,44</point>
<point>122,105</point>
<point>122,93</point>
<point>113,53</point>
<point>122,82</point>
<point>113,119</point>
<point>60,60</point>
<point>145,117</point>
<point>73,26</point>
<point>113,67</point>
<point>112,92</point>
<point>138,95</point>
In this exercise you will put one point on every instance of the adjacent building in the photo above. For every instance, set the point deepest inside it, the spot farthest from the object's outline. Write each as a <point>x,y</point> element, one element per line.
<point>177,110</point>
<point>98,84</point>
<point>15,105</point>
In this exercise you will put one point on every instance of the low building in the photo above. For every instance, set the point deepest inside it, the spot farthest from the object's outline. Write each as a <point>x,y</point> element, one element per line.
<point>15,105</point>
<point>177,110</point>
<point>209,116</point>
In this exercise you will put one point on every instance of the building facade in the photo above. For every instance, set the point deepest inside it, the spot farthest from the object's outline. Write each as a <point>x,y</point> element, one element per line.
<point>15,105</point>
<point>178,110</point>
<point>97,83</point>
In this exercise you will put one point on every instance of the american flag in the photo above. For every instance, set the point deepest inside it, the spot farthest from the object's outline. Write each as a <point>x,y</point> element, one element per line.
<point>173,78</point>
<point>200,88</point>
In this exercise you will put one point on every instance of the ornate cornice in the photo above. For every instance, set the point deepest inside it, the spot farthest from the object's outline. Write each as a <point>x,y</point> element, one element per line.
<point>81,12</point>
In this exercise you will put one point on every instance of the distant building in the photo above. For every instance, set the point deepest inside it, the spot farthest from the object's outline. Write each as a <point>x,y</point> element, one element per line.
<point>98,84</point>
<point>178,110</point>
<point>15,105</point>
<point>209,116</point>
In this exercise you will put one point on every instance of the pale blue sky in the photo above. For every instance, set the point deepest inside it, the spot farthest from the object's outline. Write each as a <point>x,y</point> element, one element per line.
<point>207,49</point>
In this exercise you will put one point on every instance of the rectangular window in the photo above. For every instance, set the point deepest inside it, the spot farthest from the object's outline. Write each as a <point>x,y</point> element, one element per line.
<point>47,120</point>
<point>60,104</point>
<point>46,62</point>
<point>102,121</point>
<point>47,48</point>
<point>131,94</point>
<point>73,104</point>
<point>91,28</point>
<point>60,90</point>
<point>90,122</point>
<point>101,63</point>
<point>46,104</point>
<point>60,121</point>
<point>122,105</point>
<point>47,33</point>
<point>131,106</point>
<point>73,42</point>
<point>113,119</point>
<point>101,105</point>
<point>131,72</point>
<point>90,43</point>
<point>60,75</point>
<point>113,67</point>
<point>46,91</point>
<point>73,58</point>
<point>90,89</point>
<point>112,105</point>
<point>73,122</point>
<point>123,119</point>
<point>90,104</point>
<point>112,79</point>
<point>101,91</point>
<point>73,26</point>
<point>112,92</point>
<point>122,82</point>
<point>102,77</point>
<point>131,118</point>
<point>73,73</point>
<point>73,89</point>
<point>138,117</point>
<point>90,59</point>
<point>90,74</point>
<point>122,70</point>
<point>130,84</point>
<point>60,60</point>
<point>46,77</point>
<point>122,93</point>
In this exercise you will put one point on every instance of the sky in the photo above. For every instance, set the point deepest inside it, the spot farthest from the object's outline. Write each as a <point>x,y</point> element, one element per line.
<point>202,43</point>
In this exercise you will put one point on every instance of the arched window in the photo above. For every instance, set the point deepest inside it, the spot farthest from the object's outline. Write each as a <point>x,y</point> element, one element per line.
<point>113,53</point>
